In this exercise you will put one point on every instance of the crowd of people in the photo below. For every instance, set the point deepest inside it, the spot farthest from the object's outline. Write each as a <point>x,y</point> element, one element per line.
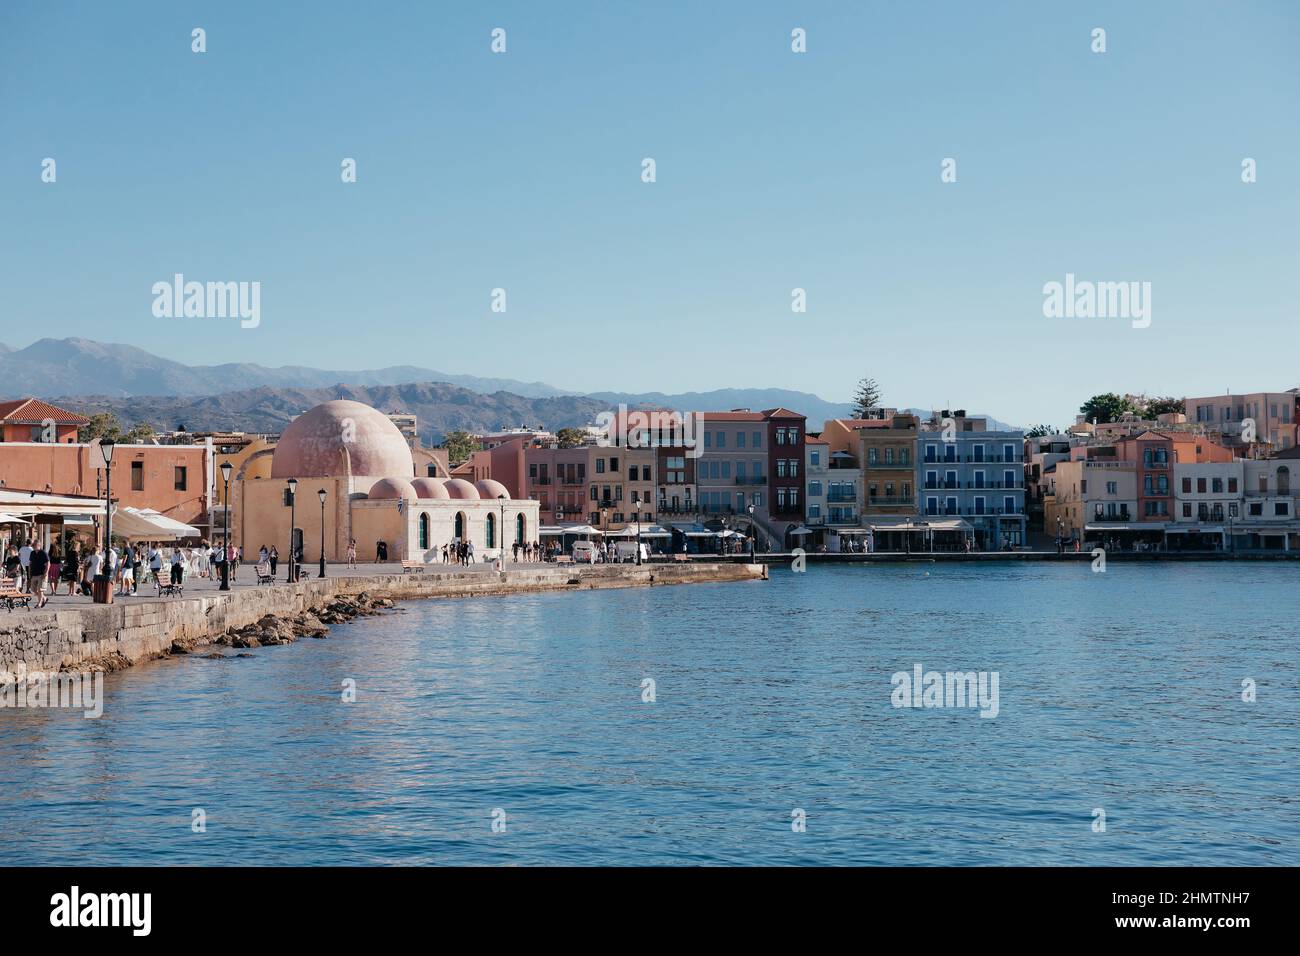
<point>77,566</point>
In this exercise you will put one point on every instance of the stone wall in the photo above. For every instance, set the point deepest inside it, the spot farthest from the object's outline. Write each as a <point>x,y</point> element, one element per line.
<point>122,634</point>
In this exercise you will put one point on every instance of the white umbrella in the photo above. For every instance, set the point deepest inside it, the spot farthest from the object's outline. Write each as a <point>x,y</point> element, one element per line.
<point>12,519</point>
<point>800,530</point>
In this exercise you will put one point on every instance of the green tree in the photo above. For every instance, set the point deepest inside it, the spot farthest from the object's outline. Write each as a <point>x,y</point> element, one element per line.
<point>1106,408</point>
<point>867,397</point>
<point>460,445</point>
<point>1040,431</point>
<point>570,437</point>
<point>101,425</point>
<point>141,432</point>
<point>1166,405</point>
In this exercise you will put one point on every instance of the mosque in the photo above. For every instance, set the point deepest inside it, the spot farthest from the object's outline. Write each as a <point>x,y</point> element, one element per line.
<point>356,479</point>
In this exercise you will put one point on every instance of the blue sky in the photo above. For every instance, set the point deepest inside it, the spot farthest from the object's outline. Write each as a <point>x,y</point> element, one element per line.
<point>775,171</point>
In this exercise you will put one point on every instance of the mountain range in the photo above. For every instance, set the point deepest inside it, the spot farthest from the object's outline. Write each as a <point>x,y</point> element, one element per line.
<point>139,386</point>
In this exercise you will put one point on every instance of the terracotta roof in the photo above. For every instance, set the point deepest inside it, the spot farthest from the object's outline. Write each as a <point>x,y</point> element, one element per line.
<point>781,413</point>
<point>733,416</point>
<point>33,411</point>
<point>815,441</point>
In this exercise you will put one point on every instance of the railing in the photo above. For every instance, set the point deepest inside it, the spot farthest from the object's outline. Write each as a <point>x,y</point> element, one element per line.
<point>884,500</point>
<point>540,481</point>
<point>996,484</point>
<point>840,497</point>
<point>685,508</point>
<point>1121,516</point>
<point>842,520</point>
<point>751,480</point>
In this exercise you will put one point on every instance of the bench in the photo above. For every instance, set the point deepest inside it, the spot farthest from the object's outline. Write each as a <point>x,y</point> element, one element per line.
<point>162,578</point>
<point>264,575</point>
<point>681,557</point>
<point>563,559</point>
<point>11,595</point>
<point>412,566</point>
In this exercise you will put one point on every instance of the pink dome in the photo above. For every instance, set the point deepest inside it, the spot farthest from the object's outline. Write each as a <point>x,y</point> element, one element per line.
<point>460,488</point>
<point>329,438</point>
<point>392,488</point>
<point>487,488</point>
<point>430,488</point>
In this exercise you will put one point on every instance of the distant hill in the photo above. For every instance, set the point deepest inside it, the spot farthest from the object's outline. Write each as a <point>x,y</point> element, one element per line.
<point>105,374</point>
<point>81,366</point>
<point>440,408</point>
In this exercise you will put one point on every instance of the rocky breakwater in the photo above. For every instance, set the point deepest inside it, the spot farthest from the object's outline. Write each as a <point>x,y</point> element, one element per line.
<point>271,630</point>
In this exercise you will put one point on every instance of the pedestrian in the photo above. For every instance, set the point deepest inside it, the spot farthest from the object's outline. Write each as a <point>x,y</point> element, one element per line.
<point>178,566</point>
<point>24,563</point>
<point>352,552</point>
<point>90,569</point>
<point>274,558</point>
<point>156,563</point>
<point>381,551</point>
<point>71,568</point>
<point>56,570</point>
<point>126,578</point>
<point>38,566</point>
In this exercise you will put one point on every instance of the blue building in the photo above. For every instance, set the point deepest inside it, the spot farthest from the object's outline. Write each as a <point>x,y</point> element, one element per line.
<point>964,471</point>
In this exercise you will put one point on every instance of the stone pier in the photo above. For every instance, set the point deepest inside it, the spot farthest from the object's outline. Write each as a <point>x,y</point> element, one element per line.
<point>123,634</point>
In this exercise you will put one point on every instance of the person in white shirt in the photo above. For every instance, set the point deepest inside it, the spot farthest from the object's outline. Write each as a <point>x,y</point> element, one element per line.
<point>178,566</point>
<point>25,564</point>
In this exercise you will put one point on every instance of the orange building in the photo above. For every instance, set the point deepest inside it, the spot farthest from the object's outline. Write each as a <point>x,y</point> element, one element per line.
<point>31,420</point>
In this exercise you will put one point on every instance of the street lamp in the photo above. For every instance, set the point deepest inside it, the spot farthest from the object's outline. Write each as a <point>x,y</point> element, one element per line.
<point>106,446</point>
<point>638,532</point>
<point>293,521</point>
<point>753,538</point>
<point>501,532</point>
<point>226,469</point>
<point>321,493</point>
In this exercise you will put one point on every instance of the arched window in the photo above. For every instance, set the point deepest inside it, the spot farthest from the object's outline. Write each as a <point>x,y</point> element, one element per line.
<point>520,528</point>
<point>490,531</point>
<point>460,526</point>
<point>424,531</point>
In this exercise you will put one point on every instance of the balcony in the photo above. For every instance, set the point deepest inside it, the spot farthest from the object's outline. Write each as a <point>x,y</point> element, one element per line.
<point>540,481</point>
<point>839,497</point>
<point>751,480</point>
<point>1122,515</point>
<point>682,508</point>
<point>886,501</point>
<point>841,520</point>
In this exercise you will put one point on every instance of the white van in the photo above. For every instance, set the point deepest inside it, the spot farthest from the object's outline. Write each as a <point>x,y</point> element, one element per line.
<point>626,551</point>
<point>584,552</point>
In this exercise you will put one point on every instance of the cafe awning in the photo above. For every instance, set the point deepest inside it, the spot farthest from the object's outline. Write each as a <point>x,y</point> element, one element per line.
<point>149,525</point>
<point>12,519</point>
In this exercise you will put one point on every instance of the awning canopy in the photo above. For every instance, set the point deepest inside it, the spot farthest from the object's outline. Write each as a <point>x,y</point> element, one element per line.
<point>1108,526</point>
<point>12,519</point>
<point>25,503</point>
<point>801,530</point>
<point>149,524</point>
<point>1194,529</point>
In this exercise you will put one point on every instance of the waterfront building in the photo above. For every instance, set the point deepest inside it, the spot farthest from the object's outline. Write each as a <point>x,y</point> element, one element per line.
<point>971,481</point>
<point>1155,454</point>
<point>786,433</point>
<point>844,480</point>
<point>1093,500</point>
<point>557,479</point>
<point>1042,453</point>
<point>1268,514</point>
<point>174,480</point>
<point>367,471</point>
<point>733,466</point>
<point>1208,497</point>
<point>816,483</point>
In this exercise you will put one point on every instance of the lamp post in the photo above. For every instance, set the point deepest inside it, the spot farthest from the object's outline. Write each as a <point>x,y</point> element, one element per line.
<point>638,532</point>
<point>321,493</point>
<point>225,538</point>
<point>753,538</point>
<point>293,521</point>
<point>501,533</point>
<point>106,446</point>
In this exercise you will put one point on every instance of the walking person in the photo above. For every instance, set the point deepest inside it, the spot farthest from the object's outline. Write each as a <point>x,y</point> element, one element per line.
<point>274,557</point>
<point>156,563</point>
<point>90,569</point>
<point>352,553</point>
<point>55,572</point>
<point>126,577</point>
<point>178,566</point>
<point>38,567</point>
<point>71,568</point>
<point>24,563</point>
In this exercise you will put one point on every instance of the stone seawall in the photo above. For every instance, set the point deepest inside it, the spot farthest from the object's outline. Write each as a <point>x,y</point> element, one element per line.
<point>126,633</point>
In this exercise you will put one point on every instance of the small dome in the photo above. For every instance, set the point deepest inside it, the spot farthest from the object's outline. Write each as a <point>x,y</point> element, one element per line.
<point>392,488</point>
<point>430,488</point>
<point>487,488</point>
<point>338,438</point>
<point>460,488</point>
